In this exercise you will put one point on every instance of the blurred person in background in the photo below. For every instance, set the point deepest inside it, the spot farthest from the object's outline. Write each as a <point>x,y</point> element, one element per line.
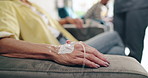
<point>130,21</point>
<point>95,11</point>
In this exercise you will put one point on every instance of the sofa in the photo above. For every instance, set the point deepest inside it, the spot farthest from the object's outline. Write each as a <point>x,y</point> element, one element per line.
<point>120,67</point>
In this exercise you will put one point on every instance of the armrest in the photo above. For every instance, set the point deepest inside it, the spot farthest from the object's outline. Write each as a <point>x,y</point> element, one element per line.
<point>85,25</point>
<point>120,67</point>
<point>89,30</point>
<point>85,33</point>
<point>91,23</point>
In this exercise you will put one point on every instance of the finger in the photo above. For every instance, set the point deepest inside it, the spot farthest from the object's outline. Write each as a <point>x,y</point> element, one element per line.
<point>96,53</point>
<point>94,59</point>
<point>70,20</point>
<point>75,22</point>
<point>79,23</point>
<point>81,61</point>
<point>99,55</point>
<point>97,60</point>
<point>78,47</point>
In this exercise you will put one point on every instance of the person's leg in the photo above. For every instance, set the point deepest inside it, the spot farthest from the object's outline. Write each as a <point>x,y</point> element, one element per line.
<point>61,39</point>
<point>136,23</point>
<point>119,24</point>
<point>107,43</point>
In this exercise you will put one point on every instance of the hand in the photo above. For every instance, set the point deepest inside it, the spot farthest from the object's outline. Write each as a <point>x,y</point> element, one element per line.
<point>68,20</point>
<point>93,58</point>
<point>78,22</point>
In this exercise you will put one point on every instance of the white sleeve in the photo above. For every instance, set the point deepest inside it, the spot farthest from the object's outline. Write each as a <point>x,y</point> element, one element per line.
<point>5,34</point>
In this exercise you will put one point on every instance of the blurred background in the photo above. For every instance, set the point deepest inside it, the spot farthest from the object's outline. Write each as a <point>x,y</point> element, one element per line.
<point>77,9</point>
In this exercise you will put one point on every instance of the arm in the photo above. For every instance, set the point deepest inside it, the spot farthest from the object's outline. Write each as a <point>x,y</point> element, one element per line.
<point>90,13</point>
<point>94,12</point>
<point>20,49</point>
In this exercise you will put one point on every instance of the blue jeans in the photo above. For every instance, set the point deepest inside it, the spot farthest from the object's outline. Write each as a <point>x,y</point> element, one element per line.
<point>107,43</point>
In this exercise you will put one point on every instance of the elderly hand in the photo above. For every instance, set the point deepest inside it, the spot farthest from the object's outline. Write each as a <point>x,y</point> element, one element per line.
<point>78,22</point>
<point>68,20</point>
<point>93,58</point>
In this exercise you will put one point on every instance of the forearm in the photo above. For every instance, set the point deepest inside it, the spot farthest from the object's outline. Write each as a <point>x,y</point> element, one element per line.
<point>21,49</point>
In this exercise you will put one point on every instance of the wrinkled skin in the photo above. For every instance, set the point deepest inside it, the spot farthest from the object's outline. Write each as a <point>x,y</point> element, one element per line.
<point>93,58</point>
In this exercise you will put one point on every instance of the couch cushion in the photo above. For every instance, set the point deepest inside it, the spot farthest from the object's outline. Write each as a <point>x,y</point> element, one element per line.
<point>120,67</point>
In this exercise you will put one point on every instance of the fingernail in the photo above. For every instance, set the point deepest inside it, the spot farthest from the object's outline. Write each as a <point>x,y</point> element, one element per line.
<point>98,66</point>
<point>106,64</point>
<point>107,60</point>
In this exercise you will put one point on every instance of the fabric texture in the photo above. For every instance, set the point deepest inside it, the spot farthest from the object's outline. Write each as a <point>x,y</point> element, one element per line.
<point>94,12</point>
<point>120,67</point>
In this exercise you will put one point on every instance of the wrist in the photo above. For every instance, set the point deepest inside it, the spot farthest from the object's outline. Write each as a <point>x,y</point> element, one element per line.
<point>52,52</point>
<point>63,21</point>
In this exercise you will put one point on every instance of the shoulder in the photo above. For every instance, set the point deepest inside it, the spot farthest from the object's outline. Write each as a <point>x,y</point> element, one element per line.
<point>8,7</point>
<point>96,5</point>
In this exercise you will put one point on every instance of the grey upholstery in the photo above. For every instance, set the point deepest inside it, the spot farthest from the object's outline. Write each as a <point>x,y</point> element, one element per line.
<point>120,67</point>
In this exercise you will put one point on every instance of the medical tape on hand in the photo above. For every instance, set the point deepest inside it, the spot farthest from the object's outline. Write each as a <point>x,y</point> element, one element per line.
<point>68,48</point>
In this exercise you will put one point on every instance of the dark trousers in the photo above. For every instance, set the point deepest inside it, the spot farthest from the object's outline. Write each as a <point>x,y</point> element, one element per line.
<point>131,27</point>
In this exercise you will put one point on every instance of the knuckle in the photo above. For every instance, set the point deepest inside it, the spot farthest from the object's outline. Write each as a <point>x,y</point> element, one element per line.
<point>79,55</point>
<point>73,61</point>
<point>90,56</point>
<point>93,49</point>
<point>77,46</point>
<point>90,64</point>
